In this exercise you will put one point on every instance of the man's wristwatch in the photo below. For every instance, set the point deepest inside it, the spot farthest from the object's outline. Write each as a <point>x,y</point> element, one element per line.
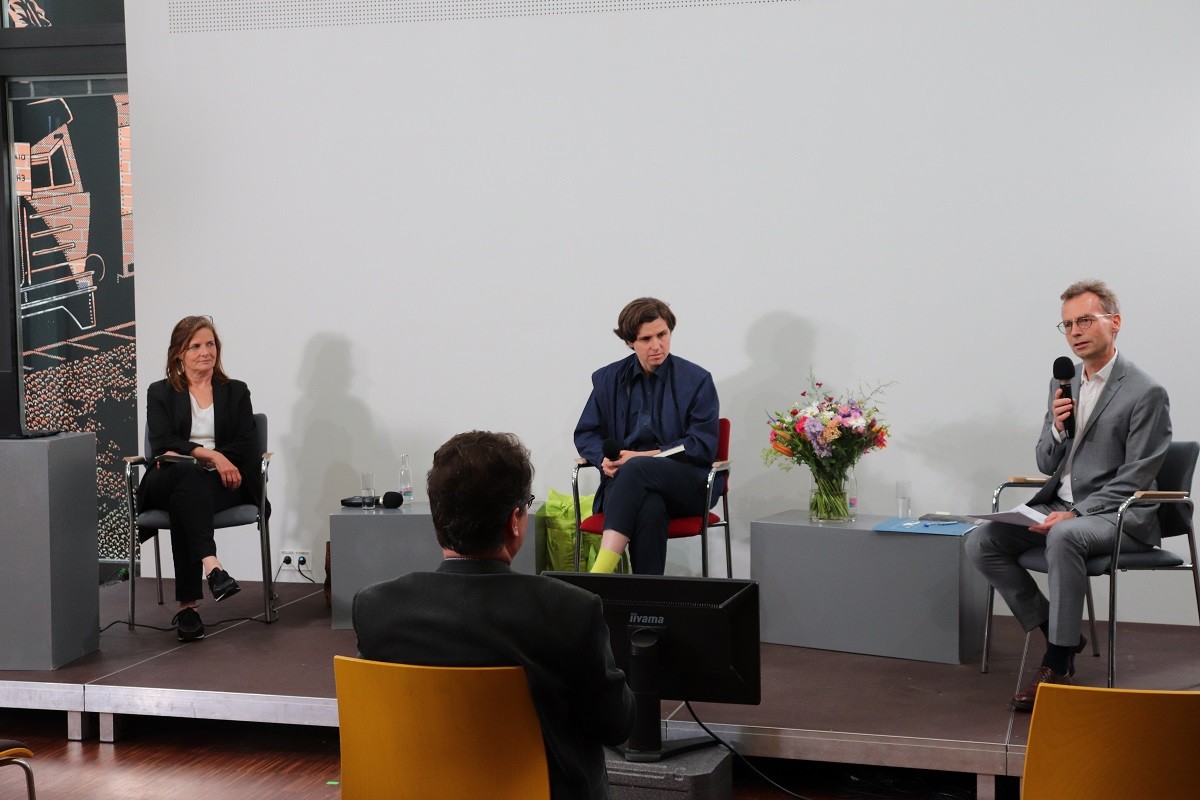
<point>1075,511</point>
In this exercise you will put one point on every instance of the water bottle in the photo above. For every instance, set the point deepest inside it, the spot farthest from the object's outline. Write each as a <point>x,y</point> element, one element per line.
<point>406,481</point>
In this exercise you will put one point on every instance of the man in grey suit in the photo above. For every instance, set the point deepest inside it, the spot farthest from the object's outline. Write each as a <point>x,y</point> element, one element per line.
<point>476,611</point>
<point>1122,430</point>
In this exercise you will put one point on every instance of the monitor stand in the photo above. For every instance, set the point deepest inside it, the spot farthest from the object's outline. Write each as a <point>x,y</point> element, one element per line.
<point>645,743</point>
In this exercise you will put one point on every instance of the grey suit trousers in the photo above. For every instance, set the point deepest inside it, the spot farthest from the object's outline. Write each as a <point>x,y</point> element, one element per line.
<point>994,548</point>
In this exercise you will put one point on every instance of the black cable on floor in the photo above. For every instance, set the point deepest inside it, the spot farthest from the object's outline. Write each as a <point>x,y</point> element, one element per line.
<point>739,756</point>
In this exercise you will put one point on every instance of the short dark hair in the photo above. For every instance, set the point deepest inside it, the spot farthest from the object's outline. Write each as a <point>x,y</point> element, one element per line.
<point>1108,298</point>
<point>477,479</point>
<point>637,313</point>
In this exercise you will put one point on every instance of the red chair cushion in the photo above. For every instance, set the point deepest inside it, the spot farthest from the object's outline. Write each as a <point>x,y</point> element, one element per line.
<point>677,528</point>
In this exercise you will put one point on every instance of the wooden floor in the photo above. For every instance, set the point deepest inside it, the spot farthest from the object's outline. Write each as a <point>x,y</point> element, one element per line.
<point>168,758</point>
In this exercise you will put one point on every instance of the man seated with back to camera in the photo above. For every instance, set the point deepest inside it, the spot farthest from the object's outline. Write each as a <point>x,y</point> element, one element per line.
<point>648,402</point>
<point>476,611</point>
<point>1122,429</point>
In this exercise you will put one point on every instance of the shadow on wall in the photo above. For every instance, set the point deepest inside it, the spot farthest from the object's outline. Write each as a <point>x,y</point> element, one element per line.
<point>333,438</point>
<point>781,347</point>
<point>972,456</point>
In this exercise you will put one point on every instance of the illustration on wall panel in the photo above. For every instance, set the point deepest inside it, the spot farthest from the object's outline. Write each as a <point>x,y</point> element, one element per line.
<point>74,207</point>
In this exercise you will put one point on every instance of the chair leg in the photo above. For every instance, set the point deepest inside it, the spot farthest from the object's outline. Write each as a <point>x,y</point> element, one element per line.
<point>1112,626</point>
<point>264,535</point>
<point>158,569</point>
<point>133,544</point>
<point>704,547</point>
<point>987,628</point>
<point>20,762</point>
<point>1092,620</point>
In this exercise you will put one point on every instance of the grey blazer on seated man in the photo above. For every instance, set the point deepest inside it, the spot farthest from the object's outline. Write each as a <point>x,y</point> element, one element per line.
<point>1117,453</point>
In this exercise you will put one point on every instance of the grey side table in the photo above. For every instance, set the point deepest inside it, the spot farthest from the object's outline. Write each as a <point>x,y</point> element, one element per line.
<point>48,573</point>
<point>842,586</point>
<point>366,547</point>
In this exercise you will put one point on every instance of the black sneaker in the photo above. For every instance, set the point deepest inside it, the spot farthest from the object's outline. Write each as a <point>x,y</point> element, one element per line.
<point>221,585</point>
<point>189,625</point>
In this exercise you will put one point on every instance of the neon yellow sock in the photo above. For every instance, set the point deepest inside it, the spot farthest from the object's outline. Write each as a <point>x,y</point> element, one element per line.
<point>606,561</point>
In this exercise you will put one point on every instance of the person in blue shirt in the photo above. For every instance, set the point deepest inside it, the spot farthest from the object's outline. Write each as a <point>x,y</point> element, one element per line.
<point>648,403</point>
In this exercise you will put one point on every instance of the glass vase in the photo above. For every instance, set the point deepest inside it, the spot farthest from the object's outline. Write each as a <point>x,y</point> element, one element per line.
<point>833,497</point>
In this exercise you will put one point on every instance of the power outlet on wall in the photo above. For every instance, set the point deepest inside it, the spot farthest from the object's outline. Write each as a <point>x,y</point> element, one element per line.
<point>294,561</point>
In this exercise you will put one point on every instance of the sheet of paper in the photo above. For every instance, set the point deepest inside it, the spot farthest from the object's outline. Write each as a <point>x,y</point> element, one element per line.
<point>1022,515</point>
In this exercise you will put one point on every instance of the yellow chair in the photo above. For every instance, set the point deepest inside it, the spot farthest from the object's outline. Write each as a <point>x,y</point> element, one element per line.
<point>438,732</point>
<point>1111,744</point>
<point>14,753</point>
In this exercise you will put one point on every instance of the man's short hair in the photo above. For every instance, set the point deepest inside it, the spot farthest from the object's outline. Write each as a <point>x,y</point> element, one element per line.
<point>638,313</point>
<point>1108,298</point>
<point>477,479</point>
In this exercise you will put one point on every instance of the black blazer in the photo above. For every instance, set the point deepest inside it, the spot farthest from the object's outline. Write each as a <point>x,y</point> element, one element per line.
<point>480,613</point>
<point>169,425</point>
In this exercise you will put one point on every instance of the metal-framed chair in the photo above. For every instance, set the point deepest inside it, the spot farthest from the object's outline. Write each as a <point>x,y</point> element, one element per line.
<point>14,753</point>
<point>1175,508</point>
<point>407,732</point>
<point>679,527</point>
<point>1110,744</point>
<point>147,524</point>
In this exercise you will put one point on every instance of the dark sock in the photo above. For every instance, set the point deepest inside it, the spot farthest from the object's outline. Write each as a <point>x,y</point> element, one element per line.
<point>1058,658</point>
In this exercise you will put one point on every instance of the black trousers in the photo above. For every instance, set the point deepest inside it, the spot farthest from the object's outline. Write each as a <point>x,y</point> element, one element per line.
<point>642,498</point>
<point>190,495</point>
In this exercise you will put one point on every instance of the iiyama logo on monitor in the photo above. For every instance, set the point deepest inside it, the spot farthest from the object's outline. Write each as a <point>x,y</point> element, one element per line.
<point>646,619</point>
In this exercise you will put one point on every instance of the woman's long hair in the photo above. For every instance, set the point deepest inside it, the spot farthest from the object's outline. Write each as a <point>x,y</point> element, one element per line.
<point>184,330</point>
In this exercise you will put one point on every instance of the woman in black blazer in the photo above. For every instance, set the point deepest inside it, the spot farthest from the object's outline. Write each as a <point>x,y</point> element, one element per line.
<point>199,411</point>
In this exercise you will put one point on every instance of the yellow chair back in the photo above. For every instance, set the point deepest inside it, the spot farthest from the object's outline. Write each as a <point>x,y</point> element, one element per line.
<point>438,732</point>
<point>1105,744</point>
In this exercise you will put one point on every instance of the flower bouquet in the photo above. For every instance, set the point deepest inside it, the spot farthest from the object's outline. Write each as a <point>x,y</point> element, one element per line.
<point>828,435</point>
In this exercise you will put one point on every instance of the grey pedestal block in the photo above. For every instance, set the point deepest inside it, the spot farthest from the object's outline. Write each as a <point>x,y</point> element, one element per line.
<point>845,587</point>
<point>700,775</point>
<point>48,586</point>
<point>366,547</point>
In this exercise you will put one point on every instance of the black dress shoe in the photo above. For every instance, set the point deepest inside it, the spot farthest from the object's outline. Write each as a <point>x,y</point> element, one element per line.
<point>221,585</point>
<point>1023,700</point>
<point>188,625</point>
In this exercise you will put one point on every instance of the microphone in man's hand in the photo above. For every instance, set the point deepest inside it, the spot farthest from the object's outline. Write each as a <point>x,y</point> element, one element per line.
<point>612,449</point>
<point>1064,372</point>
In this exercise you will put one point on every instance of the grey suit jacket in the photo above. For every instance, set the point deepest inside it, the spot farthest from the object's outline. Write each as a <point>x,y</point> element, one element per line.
<point>1118,452</point>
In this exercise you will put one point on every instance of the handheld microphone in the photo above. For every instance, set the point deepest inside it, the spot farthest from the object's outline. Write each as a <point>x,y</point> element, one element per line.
<point>612,449</point>
<point>389,500</point>
<point>1064,371</point>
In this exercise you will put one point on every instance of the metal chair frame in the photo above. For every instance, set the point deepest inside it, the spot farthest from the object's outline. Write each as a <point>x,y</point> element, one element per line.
<point>156,520</point>
<point>1140,498</point>
<point>14,753</point>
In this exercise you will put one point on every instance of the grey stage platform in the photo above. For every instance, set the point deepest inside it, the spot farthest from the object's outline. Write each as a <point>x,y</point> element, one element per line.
<point>817,705</point>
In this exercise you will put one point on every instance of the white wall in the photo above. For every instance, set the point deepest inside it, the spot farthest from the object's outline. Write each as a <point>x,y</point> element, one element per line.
<point>407,230</point>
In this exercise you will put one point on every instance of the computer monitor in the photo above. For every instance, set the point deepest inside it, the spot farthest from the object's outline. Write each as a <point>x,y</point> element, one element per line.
<point>678,638</point>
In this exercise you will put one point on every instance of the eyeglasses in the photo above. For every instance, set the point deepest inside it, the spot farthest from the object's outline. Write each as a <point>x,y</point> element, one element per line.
<point>528,503</point>
<point>1083,322</point>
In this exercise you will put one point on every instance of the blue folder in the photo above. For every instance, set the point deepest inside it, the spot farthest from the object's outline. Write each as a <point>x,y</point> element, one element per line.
<point>939,528</point>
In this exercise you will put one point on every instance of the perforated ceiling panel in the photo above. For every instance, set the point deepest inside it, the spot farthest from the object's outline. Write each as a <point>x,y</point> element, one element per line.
<point>201,16</point>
